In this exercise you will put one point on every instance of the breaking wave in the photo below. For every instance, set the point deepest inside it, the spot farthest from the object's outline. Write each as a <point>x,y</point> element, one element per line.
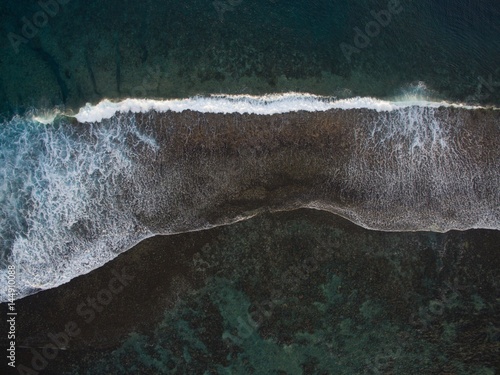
<point>77,191</point>
<point>261,105</point>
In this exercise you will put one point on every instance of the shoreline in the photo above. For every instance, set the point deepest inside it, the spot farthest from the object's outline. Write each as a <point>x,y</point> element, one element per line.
<point>165,274</point>
<point>411,169</point>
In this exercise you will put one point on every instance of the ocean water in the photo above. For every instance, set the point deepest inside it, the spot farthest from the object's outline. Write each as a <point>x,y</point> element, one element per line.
<point>122,121</point>
<point>77,194</point>
<point>86,51</point>
<point>61,197</point>
<point>316,295</point>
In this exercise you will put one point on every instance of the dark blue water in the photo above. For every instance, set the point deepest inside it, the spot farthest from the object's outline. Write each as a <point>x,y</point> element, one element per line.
<point>59,182</point>
<point>89,50</point>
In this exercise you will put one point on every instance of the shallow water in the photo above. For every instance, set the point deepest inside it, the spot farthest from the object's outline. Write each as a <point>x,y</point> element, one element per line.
<point>301,292</point>
<point>90,191</point>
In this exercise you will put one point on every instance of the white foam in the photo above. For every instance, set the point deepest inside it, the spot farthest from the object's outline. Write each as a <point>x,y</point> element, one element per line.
<point>60,194</point>
<point>262,105</point>
<point>46,117</point>
<point>72,199</point>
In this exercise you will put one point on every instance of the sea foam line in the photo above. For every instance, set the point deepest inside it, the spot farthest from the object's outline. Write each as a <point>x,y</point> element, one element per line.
<point>261,105</point>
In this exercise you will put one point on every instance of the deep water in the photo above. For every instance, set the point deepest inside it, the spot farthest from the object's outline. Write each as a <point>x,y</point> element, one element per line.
<point>87,50</point>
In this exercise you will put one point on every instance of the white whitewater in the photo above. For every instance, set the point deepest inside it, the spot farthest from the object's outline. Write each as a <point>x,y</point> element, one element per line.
<point>260,105</point>
<point>74,197</point>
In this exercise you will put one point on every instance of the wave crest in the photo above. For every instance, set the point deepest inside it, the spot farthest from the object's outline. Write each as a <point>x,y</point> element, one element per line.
<point>74,195</point>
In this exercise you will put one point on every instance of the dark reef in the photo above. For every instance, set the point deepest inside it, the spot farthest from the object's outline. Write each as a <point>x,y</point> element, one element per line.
<point>296,292</point>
